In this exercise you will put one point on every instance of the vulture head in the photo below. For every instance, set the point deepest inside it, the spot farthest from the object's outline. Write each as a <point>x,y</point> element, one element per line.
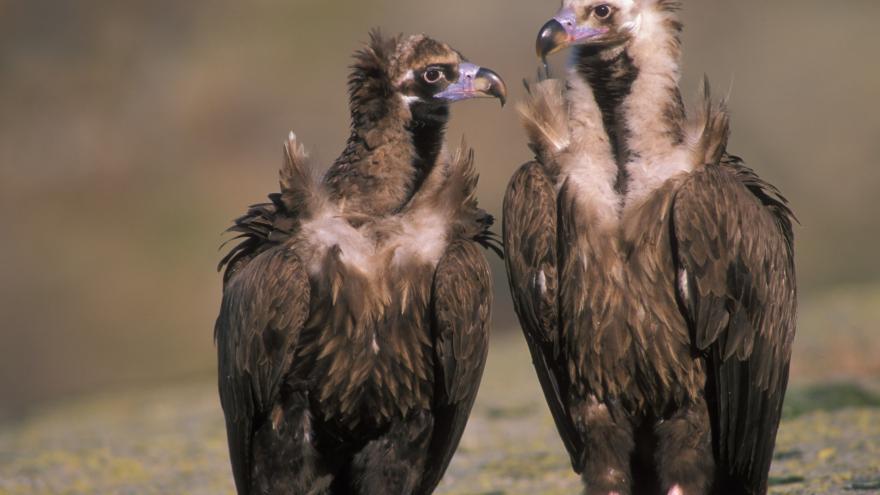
<point>604,24</point>
<point>400,91</point>
<point>423,74</point>
<point>429,72</point>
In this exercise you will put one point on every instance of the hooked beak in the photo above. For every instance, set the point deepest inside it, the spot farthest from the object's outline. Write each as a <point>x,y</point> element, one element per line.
<point>562,31</point>
<point>475,82</point>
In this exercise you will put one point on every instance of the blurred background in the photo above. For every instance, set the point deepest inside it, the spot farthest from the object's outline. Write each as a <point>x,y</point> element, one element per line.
<point>132,133</point>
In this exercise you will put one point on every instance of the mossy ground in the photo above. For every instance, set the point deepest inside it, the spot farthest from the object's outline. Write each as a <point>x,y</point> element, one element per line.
<point>172,442</point>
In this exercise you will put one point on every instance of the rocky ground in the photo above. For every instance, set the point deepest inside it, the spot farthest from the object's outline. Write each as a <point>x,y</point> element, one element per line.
<point>172,442</point>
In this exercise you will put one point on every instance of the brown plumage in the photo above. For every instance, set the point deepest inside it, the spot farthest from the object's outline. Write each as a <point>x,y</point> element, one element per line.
<point>652,272</point>
<point>354,323</point>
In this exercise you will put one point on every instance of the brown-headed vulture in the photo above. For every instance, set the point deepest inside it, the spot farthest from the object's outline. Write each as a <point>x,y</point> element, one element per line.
<point>354,323</point>
<point>652,272</point>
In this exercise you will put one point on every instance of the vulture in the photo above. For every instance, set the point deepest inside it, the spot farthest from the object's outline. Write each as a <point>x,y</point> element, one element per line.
<point>353,327</point>
<point>652,272</point>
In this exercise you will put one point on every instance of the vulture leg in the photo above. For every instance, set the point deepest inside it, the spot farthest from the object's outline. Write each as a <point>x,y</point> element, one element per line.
<point>684,451</point>
<point>285,460</point>
<point>608,449</point>
<point>393,463</point>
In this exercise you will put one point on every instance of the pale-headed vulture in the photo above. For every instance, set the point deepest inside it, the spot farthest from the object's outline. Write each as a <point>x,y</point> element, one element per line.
<point>652,272</point>
<point>353,328</point>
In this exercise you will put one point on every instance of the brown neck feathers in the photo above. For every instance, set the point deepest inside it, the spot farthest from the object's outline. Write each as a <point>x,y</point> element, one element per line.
<point>392,147</point>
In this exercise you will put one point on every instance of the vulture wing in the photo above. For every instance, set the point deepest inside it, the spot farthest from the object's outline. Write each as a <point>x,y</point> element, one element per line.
<point>734,249</point>
<point>265,305</point>
<point>461,304</point>
<point>530,240</point>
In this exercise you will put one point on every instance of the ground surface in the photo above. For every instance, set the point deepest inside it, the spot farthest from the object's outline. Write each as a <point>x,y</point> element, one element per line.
<point>172,442</point>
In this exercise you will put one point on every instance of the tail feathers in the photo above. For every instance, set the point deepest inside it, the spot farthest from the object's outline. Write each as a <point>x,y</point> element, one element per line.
<point>544,114</point>
<point>711,129</point>
<point>299,189</point>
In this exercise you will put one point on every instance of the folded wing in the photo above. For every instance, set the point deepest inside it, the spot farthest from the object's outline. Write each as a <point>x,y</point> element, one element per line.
<point>461,307</point>
<point>733,246</point>
<point>530,239</point>
<point>265,305</point>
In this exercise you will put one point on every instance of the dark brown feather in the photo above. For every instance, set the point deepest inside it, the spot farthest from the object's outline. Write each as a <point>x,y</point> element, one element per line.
<point>263,310</point>
<point>462,300</point>
<point>741,304</point>
<point>530,237</point>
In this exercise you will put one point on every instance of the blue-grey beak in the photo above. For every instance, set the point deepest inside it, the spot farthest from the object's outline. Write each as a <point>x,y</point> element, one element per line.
<point>561,31</point>
<point>475,82</point>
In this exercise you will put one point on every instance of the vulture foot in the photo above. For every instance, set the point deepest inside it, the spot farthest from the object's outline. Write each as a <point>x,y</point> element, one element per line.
<point>393,463</point>
<point>684,457</point>
<point>284,455</point>
<point>609,447</point>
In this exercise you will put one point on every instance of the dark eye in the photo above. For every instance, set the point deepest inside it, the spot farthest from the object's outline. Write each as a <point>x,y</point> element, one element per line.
<point>433,75</point>
<point>602,11</point>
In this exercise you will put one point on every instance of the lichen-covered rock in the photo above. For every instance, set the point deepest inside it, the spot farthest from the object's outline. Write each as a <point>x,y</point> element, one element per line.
<point>162,442</point>
<point>172,442</point>
<point>829,452</point>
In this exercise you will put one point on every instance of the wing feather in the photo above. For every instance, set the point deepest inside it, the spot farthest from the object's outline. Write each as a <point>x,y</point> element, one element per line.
<point>461,305</point>
<point>265,304</point>
<point>530,240</point>
<point>734,243</point>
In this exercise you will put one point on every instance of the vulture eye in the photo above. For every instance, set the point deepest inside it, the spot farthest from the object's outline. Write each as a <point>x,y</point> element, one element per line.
<point>602,11</point>
<point>432,75</point>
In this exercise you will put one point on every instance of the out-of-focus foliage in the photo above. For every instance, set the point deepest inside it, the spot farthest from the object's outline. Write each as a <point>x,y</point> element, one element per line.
<point>132,132</point>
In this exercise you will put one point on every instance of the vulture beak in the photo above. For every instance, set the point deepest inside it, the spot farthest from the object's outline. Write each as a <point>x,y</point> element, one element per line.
<point>561,31</point>
<point>475,82</point>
